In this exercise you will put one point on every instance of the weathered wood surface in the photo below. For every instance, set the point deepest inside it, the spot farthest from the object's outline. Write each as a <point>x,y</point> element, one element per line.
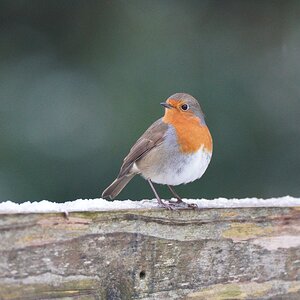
<point>248,253</point>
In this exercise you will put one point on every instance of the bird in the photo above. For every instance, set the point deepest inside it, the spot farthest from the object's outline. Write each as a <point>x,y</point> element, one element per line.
<point>176,149</point>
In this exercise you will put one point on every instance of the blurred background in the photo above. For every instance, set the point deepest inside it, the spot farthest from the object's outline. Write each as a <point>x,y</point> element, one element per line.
<point>80,81</point>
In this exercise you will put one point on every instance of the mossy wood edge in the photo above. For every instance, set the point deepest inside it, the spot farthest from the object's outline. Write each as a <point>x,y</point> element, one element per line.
<point>241,253</point>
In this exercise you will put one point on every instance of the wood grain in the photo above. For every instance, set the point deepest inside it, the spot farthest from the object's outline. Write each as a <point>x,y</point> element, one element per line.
<point>245,253</point>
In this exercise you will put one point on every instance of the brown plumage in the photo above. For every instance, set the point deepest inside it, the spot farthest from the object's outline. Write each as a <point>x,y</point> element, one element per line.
<point>151,138</point>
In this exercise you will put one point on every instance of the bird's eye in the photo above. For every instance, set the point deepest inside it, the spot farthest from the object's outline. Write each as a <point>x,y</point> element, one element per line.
<point>185,107</point>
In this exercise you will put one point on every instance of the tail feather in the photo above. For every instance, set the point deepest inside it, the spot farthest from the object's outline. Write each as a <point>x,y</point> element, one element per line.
<point>116,187</point>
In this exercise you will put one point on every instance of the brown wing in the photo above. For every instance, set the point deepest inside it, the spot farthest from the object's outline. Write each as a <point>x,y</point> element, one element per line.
<point>152,137</point>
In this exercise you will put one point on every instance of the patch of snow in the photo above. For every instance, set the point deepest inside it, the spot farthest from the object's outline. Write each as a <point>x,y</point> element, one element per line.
<point>45,206</point>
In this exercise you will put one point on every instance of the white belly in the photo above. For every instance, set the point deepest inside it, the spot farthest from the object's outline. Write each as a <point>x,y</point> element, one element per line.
<point>166,164</point>
<point>186,168</point>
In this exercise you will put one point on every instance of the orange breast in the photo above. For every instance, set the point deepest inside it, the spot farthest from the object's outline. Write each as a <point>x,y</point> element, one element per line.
<point>191,135</point>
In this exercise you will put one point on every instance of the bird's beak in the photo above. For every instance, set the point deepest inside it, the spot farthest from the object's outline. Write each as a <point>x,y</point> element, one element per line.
<point>166,105</point>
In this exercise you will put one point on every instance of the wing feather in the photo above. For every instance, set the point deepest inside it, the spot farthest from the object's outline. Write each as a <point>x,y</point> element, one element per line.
<point>151,138</point>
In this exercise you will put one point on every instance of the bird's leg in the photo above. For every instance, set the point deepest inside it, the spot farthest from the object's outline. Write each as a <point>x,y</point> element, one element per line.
<point>179,200</point>
<point>157,197</point>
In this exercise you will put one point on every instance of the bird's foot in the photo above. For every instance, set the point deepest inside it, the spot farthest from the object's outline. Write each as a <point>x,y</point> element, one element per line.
<point>168,206</point>
<point>181,204</point>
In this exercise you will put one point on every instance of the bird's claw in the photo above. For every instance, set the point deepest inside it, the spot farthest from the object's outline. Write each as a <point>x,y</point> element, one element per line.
<point>182,204</point>
<point>192,205</point>
<point>165,205</point>
<point>179,204</point>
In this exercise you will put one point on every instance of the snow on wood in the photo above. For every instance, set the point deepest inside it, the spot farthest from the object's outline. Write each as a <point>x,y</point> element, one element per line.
<point>237,249</point>
<point>104,205</point>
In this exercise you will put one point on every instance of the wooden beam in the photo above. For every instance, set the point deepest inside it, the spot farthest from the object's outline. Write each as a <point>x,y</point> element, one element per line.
<point>242,253</point>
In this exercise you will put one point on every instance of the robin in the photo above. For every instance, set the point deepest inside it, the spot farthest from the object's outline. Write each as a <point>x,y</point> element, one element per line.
<point>175,149</point>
